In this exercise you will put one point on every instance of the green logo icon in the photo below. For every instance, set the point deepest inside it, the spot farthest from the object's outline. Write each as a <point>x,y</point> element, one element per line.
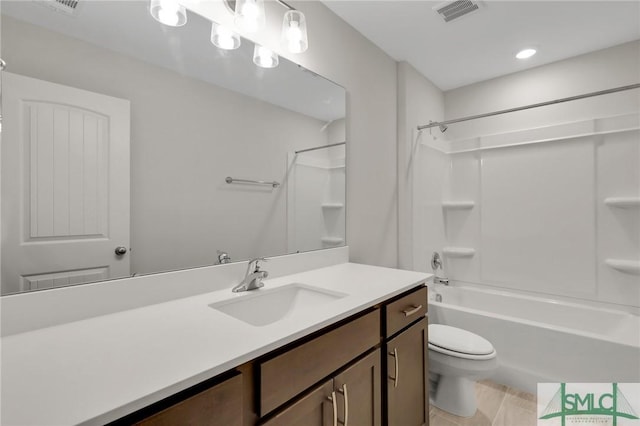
<point>612,404</point>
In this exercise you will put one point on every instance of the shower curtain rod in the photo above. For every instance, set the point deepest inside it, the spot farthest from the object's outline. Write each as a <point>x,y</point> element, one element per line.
<point>541,104</point>
<point>320,147</point>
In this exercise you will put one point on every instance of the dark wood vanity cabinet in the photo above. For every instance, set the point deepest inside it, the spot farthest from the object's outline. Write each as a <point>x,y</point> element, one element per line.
<point>368,370</point>
<point>408,374</point>
<point>406,360</point>
<point>219,405</point>
<point>359,392</point>
<point>286,375</point>
<point>351,397</point>
<point>313,410</point>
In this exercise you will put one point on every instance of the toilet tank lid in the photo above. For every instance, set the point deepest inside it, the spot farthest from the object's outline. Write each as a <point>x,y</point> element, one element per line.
<point>458,340</point>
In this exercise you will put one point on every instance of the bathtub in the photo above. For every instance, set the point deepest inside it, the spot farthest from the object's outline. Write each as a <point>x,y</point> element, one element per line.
<point>544,340</point>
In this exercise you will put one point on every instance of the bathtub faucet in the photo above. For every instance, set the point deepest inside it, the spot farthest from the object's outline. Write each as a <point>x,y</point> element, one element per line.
<point>440,280</point>
<point>436,263</point>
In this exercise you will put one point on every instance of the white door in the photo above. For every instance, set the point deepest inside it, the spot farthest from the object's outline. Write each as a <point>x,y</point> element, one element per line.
<point>65,185</point>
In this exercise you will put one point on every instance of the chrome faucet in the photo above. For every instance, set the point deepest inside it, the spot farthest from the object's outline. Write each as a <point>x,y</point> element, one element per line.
<point>252,280</point>
<point>223,257</point>
<point>436,263</point>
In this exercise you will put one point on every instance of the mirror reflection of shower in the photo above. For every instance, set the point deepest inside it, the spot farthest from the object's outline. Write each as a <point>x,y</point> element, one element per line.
<point>316,196</point>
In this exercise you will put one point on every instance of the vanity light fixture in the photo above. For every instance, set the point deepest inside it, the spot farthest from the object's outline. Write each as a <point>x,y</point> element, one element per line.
<point>168,12</point>
<point>223,37</point>
<point>265,58</point>
<point>294,31</point>
<point>526,53</point>
<point>249,15</point>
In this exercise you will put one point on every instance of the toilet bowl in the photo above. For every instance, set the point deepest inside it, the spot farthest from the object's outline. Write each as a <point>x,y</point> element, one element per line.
<point>457,359</point>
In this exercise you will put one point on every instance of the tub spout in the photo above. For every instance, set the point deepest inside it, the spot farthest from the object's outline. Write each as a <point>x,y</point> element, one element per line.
<point>441,280</point>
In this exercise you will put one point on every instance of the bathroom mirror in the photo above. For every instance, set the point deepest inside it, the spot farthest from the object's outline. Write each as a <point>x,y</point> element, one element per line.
<point>127,147</point>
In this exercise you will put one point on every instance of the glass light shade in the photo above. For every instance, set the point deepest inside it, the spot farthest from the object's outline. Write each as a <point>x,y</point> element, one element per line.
<point>168,12</point>
<point>223,37</point>
<point>265,58</point>
<point>294,31</point>
<point>249,15</point>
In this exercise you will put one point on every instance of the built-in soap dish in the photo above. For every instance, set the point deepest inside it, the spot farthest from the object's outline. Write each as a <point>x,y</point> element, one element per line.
<point>623,202</point>
<point>458,205</point>
<point>332,206</point>
<point>458,252</point>
<point>626,266</point>
<point>333,241</point>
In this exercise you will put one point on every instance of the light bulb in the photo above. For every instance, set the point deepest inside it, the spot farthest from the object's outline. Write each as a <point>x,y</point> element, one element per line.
<point>294,35</point>
<point>264,57</point>
<point>168,17</point>
<point>249,15</point>
<point>223,37</point>
<point>250,10</point>
<point>168,12</point>
<point>294,31</point>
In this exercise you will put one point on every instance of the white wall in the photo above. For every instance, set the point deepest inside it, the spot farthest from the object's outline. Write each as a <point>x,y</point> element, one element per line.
<point>419,100</point>
<point>340,53</point>
<point>181,151</point>
<point>604,69</point>
<point>538,180</point>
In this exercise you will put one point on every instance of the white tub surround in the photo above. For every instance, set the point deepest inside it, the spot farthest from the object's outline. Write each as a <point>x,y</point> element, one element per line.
<point>540,205</point>
<point>98,369</point>
<point>542,339</point>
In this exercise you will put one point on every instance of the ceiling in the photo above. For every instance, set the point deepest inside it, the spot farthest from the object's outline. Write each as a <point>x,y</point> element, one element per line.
<point>482,45</point>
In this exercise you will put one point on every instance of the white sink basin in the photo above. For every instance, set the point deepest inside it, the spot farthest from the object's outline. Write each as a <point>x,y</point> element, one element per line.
<point>266,306</point>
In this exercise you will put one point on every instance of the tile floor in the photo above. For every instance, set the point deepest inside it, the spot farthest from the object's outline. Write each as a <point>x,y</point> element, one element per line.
<point>498,405</point>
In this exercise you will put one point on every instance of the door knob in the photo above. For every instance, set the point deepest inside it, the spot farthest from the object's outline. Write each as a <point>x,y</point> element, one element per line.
<point>121,251</point>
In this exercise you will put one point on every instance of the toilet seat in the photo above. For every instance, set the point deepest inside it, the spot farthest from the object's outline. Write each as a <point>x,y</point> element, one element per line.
<point>459,343</point>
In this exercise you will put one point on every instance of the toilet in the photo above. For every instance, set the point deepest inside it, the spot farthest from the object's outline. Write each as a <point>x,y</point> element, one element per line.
<point>457,359</point>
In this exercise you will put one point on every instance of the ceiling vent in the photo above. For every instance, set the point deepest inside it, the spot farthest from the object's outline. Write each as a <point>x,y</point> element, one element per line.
<point>455,9</point>
<point>67,7</point>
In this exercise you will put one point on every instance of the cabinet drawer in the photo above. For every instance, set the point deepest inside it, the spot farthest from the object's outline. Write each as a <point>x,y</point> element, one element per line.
<point>220,405</point>
<point>285,376</point>
<point>406,310</point>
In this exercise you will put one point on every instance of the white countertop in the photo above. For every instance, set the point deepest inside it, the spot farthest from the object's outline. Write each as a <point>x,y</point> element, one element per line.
<point>99,369</point>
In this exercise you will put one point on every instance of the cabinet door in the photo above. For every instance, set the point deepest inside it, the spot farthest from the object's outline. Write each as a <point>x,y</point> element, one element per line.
<point>220,405</point>
<point>315,409</point>
<point>408,372</point>
<point>359,393</point>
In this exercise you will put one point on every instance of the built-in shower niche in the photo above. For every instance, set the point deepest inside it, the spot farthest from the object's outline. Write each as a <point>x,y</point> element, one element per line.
<point>316,198</point>
<point>553,210</point>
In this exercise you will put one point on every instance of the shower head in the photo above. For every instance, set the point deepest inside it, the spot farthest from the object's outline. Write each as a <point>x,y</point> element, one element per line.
<point>443,127</point>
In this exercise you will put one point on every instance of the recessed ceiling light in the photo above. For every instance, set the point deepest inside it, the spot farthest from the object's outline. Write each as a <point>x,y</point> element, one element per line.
<point>526,53</point>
